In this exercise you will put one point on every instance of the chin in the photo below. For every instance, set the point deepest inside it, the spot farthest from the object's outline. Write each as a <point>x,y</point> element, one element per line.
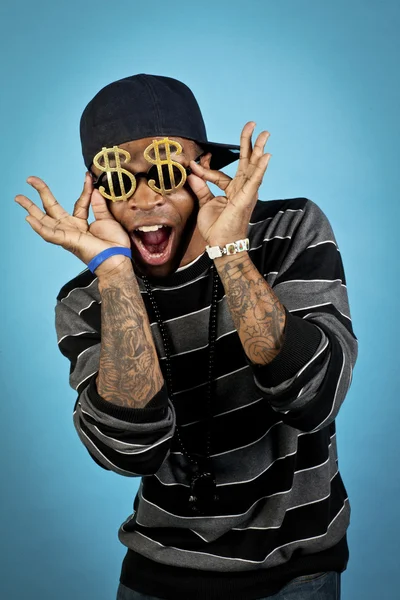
<point>155,272</point>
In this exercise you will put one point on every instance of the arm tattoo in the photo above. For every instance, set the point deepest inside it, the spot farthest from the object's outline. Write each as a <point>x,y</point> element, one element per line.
<point>129,373</point>
<point>257,313</point>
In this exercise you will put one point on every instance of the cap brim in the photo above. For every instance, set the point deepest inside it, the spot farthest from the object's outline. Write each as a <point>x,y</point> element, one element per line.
<point>222,154</point>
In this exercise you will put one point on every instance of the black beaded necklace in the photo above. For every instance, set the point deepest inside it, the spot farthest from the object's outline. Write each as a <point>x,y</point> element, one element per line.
<point>203,488</point>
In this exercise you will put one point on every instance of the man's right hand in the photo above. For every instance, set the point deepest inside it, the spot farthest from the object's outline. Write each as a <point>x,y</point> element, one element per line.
<point>74,233</point>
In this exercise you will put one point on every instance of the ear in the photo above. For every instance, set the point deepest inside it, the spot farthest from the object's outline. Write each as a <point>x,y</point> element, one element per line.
<point>205,160</point>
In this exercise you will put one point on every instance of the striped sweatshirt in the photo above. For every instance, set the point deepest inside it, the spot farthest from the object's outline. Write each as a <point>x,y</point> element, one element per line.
<point>283,510</point>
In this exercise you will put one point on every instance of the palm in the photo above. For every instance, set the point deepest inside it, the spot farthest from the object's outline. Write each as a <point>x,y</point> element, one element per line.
<point>73,232</point>
<point>110,231</point>
<point>209,215</point>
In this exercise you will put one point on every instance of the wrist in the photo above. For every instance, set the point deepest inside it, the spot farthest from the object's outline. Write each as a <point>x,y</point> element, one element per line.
<point>230,258</point>
<point>113,267</point>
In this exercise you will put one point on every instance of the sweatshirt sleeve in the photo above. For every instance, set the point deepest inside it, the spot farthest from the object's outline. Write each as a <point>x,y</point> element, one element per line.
<point>129,441</point>
<point>309,378</point>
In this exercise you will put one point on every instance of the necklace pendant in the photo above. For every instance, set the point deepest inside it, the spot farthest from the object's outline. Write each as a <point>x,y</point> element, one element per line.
<point>203,493</point>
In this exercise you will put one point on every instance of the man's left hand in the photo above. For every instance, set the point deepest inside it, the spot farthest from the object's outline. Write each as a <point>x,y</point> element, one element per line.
<point>225,219</point>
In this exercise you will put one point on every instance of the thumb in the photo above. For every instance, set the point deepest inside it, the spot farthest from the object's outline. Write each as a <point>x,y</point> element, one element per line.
<point>200,188</point>
<point>99,207</point>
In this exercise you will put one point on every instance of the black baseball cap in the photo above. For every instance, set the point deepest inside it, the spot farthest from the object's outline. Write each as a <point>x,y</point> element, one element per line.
<point>143,106</point>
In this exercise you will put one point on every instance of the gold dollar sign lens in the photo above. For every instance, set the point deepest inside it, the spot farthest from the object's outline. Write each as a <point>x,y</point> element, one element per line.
<point>152,155</point>
<point>122,175</point>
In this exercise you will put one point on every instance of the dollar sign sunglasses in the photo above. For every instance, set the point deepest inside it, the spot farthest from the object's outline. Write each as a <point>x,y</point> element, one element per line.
<point>116,184</point>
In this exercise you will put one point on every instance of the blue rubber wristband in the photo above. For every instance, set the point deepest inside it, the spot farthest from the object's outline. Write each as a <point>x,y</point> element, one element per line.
<point>99,258</point>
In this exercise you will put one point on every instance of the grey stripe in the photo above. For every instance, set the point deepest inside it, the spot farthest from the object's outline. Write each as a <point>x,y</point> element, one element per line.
<point>118,424</point>
<point>81,297</point>
<point>283,224</point>
<point>191,331</point>
<point>314,228</point>
<point>299,295</point>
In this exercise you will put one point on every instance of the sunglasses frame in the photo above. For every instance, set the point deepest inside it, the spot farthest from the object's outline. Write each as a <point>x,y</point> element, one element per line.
<point>97,179</point>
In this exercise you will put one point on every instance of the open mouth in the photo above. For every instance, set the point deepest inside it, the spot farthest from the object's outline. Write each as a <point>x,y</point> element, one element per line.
<point>154,243</point>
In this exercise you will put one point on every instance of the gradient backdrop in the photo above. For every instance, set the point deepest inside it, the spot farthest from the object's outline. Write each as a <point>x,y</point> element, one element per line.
<point>323,77</point>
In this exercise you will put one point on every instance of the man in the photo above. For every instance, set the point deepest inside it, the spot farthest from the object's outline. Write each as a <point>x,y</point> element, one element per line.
<point>211,347</point>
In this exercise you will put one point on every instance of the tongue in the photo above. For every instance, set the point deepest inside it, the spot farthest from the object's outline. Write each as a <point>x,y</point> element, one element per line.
<point>155,241</point>
<point>153,238</point>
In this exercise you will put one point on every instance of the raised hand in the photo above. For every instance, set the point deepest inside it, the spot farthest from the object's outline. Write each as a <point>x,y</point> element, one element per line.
<point>73,232</point>
<point>225,219</point>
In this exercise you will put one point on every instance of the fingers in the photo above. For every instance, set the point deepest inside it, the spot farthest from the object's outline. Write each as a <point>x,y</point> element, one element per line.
<point>81,206</point>
<point>252,184</point>
<point>50,204</point>
<point>217,177</point>
<point>99,207</point>
<point>249,156</point>
<point>259,146</point>
<point>246,146</point>
<point>49,234</point>
<point>33,210</point>
<point>258,150</point>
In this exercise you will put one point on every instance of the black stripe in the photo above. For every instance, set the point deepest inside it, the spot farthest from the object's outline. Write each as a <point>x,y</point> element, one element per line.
<point>228,429</point>
<point>72,346</point>
<point>271,254</point>
<point>317,410</point>
<point>185,376</point>
<point>266,209</point>
<point>92,315</point>
<point>321,262</point>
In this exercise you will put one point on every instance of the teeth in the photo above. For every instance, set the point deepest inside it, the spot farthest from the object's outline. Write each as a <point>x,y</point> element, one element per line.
<point>149,228</point>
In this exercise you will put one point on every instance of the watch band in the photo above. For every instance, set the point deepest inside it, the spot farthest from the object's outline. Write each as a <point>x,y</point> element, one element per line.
<point>228,249</point>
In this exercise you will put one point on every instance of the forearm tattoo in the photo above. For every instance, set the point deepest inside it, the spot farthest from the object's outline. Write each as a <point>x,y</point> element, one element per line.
<point>129,373</point>
<point>257,313</point>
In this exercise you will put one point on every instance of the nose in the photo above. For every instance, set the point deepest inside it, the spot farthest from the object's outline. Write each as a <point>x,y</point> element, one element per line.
<point>144,198</point>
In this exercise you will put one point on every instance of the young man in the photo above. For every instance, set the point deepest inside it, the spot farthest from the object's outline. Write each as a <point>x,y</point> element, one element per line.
<point>211,347</point>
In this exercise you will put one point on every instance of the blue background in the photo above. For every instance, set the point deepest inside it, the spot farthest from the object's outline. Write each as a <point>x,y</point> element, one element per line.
<point>324,79</point>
